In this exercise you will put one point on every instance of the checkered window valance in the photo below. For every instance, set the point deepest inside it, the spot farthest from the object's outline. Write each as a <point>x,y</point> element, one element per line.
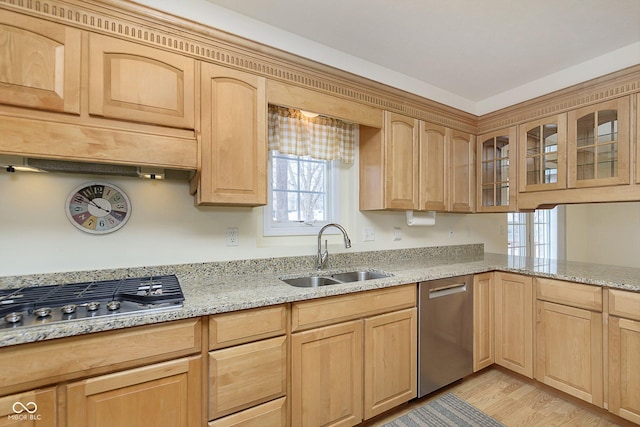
<point>323,138</point>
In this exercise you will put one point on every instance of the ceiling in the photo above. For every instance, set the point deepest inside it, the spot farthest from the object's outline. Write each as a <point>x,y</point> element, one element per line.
<point>465,53</point>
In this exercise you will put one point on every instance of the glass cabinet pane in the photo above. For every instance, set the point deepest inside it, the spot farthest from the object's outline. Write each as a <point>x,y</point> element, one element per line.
<point>542,154</point>
<point>533,142</point>
<point>584,130</point>
<point>494,174</point>
<point>597,145</point>
<point>607,126</point>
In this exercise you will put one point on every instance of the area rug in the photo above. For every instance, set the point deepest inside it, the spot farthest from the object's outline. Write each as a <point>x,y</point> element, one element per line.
<point>446,411</point>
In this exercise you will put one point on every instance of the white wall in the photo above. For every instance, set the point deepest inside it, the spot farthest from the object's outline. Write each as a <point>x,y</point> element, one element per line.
<point>606,233</point>
<point>166,228</point>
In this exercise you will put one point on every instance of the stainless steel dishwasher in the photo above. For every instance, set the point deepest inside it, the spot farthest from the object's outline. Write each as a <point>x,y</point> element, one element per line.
<point>445,332</point>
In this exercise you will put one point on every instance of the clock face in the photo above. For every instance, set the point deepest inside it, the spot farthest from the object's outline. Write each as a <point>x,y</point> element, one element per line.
<point>98,208</point>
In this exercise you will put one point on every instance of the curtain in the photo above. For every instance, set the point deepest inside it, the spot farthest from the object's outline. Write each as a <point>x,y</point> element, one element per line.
<point>323,138</point>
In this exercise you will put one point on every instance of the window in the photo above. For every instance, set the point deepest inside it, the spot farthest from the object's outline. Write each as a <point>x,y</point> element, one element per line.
<point>302,194</point>
<point>538,234</point>
<point>303,171</point>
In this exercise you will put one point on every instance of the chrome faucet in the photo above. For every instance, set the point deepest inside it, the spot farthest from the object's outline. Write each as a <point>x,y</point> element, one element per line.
<point>324,256</point>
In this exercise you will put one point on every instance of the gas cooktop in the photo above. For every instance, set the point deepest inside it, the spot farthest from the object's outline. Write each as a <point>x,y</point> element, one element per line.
<point>40,305</point>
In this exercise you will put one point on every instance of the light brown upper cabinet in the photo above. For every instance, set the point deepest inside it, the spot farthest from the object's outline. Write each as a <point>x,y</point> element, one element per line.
<point>233,148</point>
<point>496,171</point>
<point>462,176</point>
<point>542,154</point>
<point>433,167</point>
<point>389,164</point>
<point>637,139</point>
<point>401,165</point>
<point>414,165</point>
<point>39,64</point>
<point>129,81</point>
<point>598,144</point>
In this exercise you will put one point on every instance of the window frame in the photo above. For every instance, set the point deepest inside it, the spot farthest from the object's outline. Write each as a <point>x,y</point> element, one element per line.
<point>547,222</point>
<point>332,212</point>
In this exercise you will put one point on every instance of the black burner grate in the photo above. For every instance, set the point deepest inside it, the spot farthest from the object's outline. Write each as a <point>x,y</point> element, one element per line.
<point>141,290</point>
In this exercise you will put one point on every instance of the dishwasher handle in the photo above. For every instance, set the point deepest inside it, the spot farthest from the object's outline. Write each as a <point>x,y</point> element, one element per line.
<point>443,291</point>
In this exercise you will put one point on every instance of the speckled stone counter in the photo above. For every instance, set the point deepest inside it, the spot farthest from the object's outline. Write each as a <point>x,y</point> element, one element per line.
<point>211,288</point>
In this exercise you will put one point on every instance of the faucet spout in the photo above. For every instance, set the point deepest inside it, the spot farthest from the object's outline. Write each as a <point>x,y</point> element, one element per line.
<point>323,256</point>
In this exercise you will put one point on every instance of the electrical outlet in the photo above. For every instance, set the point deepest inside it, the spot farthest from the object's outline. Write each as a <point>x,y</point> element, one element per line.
<point>368,234</point>
<point>451,233</point>
<point>397,233</point>
<point>232,236</point>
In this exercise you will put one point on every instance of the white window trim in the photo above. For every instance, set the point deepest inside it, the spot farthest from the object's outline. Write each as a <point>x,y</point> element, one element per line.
<point>272,228</point>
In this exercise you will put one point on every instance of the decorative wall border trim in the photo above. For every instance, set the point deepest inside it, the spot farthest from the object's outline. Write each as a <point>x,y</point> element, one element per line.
<point>140,24</point>
<point>614,85</point>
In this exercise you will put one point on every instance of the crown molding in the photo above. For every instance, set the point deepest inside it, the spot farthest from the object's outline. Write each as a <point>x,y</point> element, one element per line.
<point>611,86</point>
<point>144,25</point>
<point>148,26</point>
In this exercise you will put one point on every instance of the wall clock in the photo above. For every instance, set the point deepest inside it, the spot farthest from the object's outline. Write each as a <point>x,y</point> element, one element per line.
<point>98,207</point>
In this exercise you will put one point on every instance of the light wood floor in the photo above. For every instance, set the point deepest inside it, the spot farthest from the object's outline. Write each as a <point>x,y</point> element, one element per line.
<point>516,401</point>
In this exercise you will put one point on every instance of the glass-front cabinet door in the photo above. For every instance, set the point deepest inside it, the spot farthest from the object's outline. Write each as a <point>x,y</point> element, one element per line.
<point>543,154</point>
<point>496,171</point>
<point>598,141</point>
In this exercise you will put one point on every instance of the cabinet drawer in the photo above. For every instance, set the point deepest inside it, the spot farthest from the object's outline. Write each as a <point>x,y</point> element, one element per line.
<point>325,311</point>
<point>568,293</point>
<point>244,326</point>
<point>624,304</point>
<point>272,414</point>
<point>247,375</point>
<point>48,362</point>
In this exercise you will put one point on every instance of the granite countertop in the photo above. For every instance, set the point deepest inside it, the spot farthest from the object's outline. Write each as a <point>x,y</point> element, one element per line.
<point>212,288</point>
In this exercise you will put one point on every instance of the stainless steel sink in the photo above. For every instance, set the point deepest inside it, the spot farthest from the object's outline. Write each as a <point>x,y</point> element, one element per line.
<point>357,276</point>
<point>335,278</point>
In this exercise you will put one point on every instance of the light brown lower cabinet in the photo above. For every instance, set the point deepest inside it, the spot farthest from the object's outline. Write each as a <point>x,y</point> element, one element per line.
<point>624,354</point>
<point>390,360</point>
<point>246,375</point>
<point>352,370</point>
<point>326,376</point>
<point>34,408</point>
<point>483,321</point>
<point>514,322</point>
<point>166,394</point>
<point>248,368</point>
<point>569,350</point>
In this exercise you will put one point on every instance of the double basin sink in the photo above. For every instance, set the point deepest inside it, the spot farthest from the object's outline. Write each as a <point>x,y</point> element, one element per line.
<point>335,278</point>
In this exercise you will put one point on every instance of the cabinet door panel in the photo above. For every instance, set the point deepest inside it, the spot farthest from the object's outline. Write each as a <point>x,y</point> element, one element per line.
<point>35,408</point>
<point>247,375</point>
<point>234,147</point>
<point>483,321</point>
<point>390,361</point>
<point>462,172</point>
<point>401,174</point>
<point>39,64</point>
<point>496,171</point>
<point>624,374</point>
<point>166,394</point>
<point>132,82</point>
<point>569,350</point>
<point>326,376</point>
<point>433,167</point>
<point>598,143</point>
<point>514,322</point>
<point>542,154</point>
